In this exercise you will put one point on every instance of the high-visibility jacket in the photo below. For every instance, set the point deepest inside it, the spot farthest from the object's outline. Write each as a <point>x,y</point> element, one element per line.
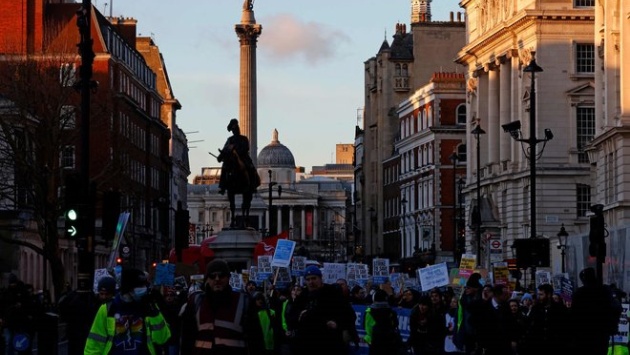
<point>618,349</point>
<point>265,317</point>
<point>101,335</point>
<point>368,325</point>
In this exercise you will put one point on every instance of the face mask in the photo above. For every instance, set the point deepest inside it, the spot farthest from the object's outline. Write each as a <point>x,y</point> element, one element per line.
<point>139,292</point>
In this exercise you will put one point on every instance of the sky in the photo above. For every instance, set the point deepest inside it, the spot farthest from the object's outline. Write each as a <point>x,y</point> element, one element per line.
<point>310,73</point>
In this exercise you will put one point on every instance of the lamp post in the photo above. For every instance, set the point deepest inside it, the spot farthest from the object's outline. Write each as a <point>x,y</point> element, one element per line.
<point>461,245</point>
<point>403,202</point>
<point>454,157</point>
<point>562,244</point>
<point>332,241</point>
<point>514,129</point>
<point>271,185</point>
<point>477,215</point>
<point>372,219</point>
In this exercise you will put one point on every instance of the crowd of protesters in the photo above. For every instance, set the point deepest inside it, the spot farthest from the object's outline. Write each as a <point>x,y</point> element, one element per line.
<point>317,318</point>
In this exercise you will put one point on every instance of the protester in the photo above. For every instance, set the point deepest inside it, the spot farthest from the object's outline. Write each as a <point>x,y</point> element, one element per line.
<point>289,321</point>
<point>131,322</point>
<point>492,322</point>
<point>450,319</point>
<point>548,330</point>
<point>17,315</point>
<point>381,327</point>
<point>323,317</point>
<point>213,321</point>
<point>171,308</point>
<point>263,330</point>
<point>426,330</point>
<point>469,301</point>
<point>595,315</point>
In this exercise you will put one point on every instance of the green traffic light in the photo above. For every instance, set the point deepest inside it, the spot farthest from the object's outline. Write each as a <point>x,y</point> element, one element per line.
<point>72,215</point>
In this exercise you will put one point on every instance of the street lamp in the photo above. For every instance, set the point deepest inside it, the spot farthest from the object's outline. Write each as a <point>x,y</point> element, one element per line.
<point>403,202</point>
<point>454,157</point>
<point>514,129</point>
<point>271,185</point>
<point>461,241</point>
<point>372,220</point>
<point>477,214</point>
<point>563,237</point>
<point>332,244</point>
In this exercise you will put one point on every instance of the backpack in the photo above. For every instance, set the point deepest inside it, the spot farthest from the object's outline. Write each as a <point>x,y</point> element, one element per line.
<point>385,333</point>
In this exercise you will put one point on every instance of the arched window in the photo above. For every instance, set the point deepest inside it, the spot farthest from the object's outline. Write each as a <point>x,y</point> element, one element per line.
<point>461,114</point>
<point>398,69</point>
<point>404,70</point>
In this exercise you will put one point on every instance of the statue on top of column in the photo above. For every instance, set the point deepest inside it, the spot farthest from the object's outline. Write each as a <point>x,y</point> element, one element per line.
<point>248,5</point>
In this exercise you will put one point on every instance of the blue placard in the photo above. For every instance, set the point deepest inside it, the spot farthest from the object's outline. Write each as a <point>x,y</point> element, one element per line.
<point>283,254</point>
<point>164,274</point>
<point>21,342</point>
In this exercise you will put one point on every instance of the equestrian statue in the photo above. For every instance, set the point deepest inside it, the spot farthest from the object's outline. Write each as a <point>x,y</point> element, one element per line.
<point>238,173</point>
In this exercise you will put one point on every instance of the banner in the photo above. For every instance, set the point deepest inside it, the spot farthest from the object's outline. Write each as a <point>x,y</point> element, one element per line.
<point>267,246</point>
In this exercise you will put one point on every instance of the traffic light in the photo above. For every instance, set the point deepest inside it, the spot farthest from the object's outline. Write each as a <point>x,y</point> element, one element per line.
<point>181,229</point>
<point>597,233</point>
<point>73,211</point>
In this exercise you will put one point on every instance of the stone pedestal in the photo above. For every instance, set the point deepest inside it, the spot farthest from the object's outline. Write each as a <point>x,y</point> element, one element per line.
<point>236,246</point>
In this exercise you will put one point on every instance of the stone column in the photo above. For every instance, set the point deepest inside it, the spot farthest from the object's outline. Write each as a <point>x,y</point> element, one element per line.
<point>315,223</point>
<point>248,31</point>
<point>291,224</point>
<point>493,128</point>
<point>303,224</point>
<point>505,96</point>
<point>279,218</point>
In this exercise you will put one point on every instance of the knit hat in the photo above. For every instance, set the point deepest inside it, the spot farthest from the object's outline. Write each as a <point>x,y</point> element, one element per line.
<point>526,296</point>
<point>312,270</point>
<point>217,265</point>
<point>132,278</point>
<point>107,284</point>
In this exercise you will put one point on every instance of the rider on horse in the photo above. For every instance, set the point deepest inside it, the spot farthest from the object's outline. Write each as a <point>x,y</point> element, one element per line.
<point>240,145</point>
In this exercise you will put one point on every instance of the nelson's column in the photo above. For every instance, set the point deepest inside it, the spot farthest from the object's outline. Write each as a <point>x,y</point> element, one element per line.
<point>248,31</point>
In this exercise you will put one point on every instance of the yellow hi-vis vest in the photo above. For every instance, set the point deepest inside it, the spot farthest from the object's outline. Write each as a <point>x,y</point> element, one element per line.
<point>103,329</point>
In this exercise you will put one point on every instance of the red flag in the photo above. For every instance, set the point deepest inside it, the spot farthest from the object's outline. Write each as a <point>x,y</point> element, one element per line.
<point>267,246</point>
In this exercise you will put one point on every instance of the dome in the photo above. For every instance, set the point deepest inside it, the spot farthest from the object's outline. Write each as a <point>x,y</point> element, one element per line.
<point>275,155</point>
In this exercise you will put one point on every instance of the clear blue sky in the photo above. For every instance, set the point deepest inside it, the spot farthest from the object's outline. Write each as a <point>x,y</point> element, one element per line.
<point>310,66</point>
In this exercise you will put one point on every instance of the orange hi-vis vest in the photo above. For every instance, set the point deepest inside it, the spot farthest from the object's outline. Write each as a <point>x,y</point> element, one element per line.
<point>221,327</point>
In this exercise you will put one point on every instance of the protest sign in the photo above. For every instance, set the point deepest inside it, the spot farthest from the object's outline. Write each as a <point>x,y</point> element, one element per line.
<point>284,252</point>
<point>380,270</point>
<point>467,265</point>
<point>298,265</point>
<point>331,272</point>
<point>433,276</point>
<point>264,268</point>
<point>501,273</point>
<point>164,274</point>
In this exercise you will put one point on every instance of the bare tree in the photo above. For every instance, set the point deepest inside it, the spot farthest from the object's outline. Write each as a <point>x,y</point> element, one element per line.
<point>39,144</point>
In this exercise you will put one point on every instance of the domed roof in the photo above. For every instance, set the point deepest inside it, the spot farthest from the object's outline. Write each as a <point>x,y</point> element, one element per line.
<point>276,155</point>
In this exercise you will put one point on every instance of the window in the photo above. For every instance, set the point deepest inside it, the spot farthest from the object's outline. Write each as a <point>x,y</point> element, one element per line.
<point>584,3</point>
<point>461,114</point>
<point>461,152</point>
<point>67,157</point>
<point>67,117</point>
<point>585,58</point>
<point>67,74</point>
<point>585,130</point>
<point>583,193</point>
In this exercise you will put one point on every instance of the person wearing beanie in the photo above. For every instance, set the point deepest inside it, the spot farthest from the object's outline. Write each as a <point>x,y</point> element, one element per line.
<point>470,300</point>
<point>381,326</point>
<point>214,321</point>
<point>323,315</point>
<point>130,321</point>
<point>106,289</point>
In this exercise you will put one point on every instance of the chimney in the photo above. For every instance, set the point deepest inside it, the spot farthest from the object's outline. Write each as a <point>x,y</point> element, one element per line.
<point>452,16</point>
<point>459,16</point>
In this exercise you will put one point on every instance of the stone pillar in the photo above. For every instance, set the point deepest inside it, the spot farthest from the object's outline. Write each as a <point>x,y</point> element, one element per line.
<point>291,224</point>
<point>493,128</point>
<point>248,31</point>
<point>315,223</point>
<point>303,223</point>
<point>279,219</point>
<point>505,116</point>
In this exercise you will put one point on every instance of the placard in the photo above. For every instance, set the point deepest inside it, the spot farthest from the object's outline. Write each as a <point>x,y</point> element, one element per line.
<point>380,271</point>
<point>434,276</point>
<point>284,252</point>
<point>331,272</point>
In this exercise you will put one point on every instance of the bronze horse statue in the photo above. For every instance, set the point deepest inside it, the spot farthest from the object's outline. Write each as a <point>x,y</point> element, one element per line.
<point>239,179</point>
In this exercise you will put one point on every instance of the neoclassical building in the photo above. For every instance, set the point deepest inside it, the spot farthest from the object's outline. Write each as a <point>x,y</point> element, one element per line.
<point>503,37</point>
<point>312,209</point>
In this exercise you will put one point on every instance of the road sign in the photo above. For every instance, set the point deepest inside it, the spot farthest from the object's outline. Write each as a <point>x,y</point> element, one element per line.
<point>125,251</point>
<point>21,342</point>
<point>495,244</point>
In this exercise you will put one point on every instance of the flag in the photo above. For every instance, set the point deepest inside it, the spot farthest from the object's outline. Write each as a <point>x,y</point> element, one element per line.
<point>267,246</point>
